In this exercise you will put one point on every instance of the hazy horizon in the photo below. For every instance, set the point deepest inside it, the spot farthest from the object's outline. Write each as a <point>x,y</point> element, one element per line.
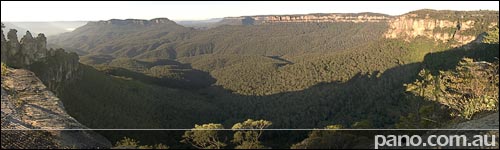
<point>191,11</point>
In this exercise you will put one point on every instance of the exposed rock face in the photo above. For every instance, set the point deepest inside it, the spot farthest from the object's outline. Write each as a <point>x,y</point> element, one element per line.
<point>408,27</point>
<point>356,18</point>
<point>3,50</point>
<point>41,43</point>
<point>33,49</point>
<point>458,29</point>
<point>59,68</point>
<point>52,66</point>
<point>13,43</point>
<point>461,27</point>
<point>309,18</point>
<point>26,52</point>
<point>28,104</point>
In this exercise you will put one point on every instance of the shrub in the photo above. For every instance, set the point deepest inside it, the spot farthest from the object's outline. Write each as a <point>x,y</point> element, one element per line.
<point>471,88</point>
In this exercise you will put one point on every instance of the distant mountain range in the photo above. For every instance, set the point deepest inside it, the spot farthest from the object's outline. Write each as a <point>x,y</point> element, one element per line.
<point>51,28</point>
<point>48,28</point>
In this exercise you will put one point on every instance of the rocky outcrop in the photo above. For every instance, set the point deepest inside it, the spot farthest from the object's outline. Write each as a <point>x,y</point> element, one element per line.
<point>28,104</point>
<point>356,18</point>
<point>3,49</point>
<point>12,43</point>
<point>441,26</point>
<point>34,49</point>
<point>52,66</point>
<point>461,27</point>
<point>23,53</point>
<point>407,27</point>
<point>58,69</point>
<point>308,18</point>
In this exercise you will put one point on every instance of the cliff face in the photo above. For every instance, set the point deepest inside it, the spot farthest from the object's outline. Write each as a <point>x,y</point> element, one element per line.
<point>408,27</point>
<point>52,66</point>
<point>356,18</point>
<point>442,26</point>
<point>28,104</point>
<point>25,52</point>
<point>57,69</point>
<point>3,44</point>
<point>461,27</point>
<point>309,18</point>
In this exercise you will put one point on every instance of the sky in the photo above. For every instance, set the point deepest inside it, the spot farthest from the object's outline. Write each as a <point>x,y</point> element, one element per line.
<point>13,11</point>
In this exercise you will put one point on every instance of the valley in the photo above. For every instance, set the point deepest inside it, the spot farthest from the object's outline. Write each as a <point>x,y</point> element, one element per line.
<point>297,71</point>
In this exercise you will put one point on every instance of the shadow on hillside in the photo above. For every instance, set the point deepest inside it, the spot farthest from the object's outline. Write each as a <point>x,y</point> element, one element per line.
<point>178,75</point>
<point>447,60</point>
<point>188,79</point>
<point>375,97</point>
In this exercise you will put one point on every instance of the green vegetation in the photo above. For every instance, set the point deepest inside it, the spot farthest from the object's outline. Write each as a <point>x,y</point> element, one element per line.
<point>453,15</point>
<point>204,136</point>
<point>491,36</point>
<point>248,138</point>
<point>471,88</point>
<point>4,70</point>
<point>160,72</point>
<point>132,104</point>
<point>124,39</point>
<point>292,73</point>
<point>297,75</point>
<point>424,116</point>
<point>362,84</point>
<point>327,139</point>
<point>128,143</point>
<point>174,41</point>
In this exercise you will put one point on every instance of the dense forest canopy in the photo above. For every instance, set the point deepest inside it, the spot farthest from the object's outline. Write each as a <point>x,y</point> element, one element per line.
<point>139,74</point>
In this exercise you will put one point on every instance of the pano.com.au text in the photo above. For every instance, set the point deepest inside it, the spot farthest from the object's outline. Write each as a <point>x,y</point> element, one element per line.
<point>434,141</point>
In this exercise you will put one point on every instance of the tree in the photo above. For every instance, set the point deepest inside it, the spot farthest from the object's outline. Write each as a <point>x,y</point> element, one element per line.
<point>425,87</point>
<point>128,143</point>
<point>4,69</point>
<point>204,136</point>
<point>248,133</point>
<point>427,117</point>
<point>491,36</point>
<point>363,124</point>
<point>329,139</point>
<point>471,88</point>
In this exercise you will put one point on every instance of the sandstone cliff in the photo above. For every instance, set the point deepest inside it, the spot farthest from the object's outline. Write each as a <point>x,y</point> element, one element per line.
<point>442,26</point>
<point>25,52</point>
<point>460,27</point>
<point>28,104</point>
<point>3,53</point>
<point>307,18</point>
<point>52,66</point>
